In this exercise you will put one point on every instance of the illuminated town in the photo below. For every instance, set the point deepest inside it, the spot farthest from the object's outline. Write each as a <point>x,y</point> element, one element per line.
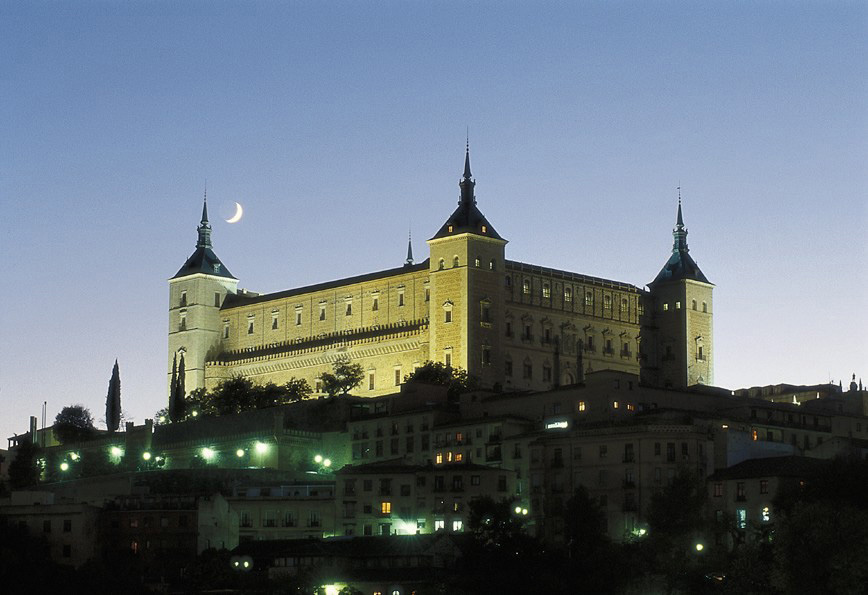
<point>411,299</point>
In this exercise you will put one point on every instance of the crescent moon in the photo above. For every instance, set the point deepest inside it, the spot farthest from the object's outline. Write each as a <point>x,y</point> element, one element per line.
<point>237,216</point>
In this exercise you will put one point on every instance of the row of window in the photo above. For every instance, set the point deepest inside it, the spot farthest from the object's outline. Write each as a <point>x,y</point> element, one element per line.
<point>182,301</point>
<point>693,306</point>
<point>546,293</point>
<point>456,262</point>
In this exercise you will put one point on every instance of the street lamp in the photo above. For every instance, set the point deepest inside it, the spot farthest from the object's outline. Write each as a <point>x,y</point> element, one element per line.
<point>239,453</point>
<point>699,547</point>
<point>146,456</point>
<point>64,466</point>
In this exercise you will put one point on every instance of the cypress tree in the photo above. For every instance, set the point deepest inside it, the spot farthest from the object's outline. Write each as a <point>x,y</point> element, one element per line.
<point>180,391</point>
<point>113,401</point>
<point>173,388</point>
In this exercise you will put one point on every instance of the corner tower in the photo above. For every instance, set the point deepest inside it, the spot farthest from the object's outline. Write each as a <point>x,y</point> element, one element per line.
<point>467,279</point>
<point>683,314</point>
<point>196,293</point>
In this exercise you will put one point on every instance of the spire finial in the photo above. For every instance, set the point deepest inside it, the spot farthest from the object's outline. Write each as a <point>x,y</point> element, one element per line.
<point>204,228</point>
<point>409,260</point>
<point>467,174</point>
<point>679,233</point>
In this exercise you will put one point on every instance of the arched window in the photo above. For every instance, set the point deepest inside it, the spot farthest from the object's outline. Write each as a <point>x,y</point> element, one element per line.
<point>455,262</point>
<point>526,286</point>
<point>442,264</point>
<point>693,304</point>
<point>491,265</point>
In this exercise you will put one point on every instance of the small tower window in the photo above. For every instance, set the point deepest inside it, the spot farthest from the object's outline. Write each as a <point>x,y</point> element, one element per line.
<point>699,354</point>
<point>183,301</point>
<point>484,229</point>
<point>486,355</point>
<point>427,294</point>
<point>442,264</point>
<point>182,323</point>
<point>491,265</point>
<point>216,299</point>
<point>455,261</point>
<point>477,262</point>
<point>704,307</point>
<point>693,304</point>
<point>225,329</point>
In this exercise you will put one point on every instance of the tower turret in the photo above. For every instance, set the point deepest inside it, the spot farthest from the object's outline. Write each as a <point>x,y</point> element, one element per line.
<point>467,268</point>
<point>196,293</point>
<point>681,295</point>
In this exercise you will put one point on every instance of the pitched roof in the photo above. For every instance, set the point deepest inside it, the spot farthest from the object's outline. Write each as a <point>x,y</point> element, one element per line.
<point>203,260</point>
<point>680,264</point>
<point>467,218</point>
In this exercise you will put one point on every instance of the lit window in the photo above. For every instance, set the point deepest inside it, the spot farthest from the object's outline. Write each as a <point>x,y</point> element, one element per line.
<point>449,229</point>
<point>754,434</point>
<point>607,302</point>
<point>438,458</point>
<point>484,229</point>
<point>459,457</point>
<point>568,294</point>
<point>766,514</point>
<point>547,291</point>
<point>615,404</point>
<point>491,265</point>
<point>526,287</point>
<point>677,305</point>
<point>477,262</point>
<point>439,524</point>
<point>665,307</point>
<point>582,406</point>
<point>457,526</point>
<point>589,299</point>
<point>741,518</point>
<point>385,508</point>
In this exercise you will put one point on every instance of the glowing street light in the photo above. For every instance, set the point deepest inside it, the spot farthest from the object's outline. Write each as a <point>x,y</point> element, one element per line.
<point>146,456</point>
<point>116,451</point>
<point>699,547</point>
<point>64,466</point>
<point>317,459</point>
<point>239,453</point>
<point>518,510</point>
<point>73,456</point>
<point>261,447</point>
<point>327,463</point>
<point>207,453</point>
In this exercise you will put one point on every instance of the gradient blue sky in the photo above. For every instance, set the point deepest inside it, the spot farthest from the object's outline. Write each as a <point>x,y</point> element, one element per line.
<point>338,125</point>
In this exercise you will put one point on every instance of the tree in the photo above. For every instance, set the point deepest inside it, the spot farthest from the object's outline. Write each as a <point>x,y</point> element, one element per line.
<point>23,470</point>
<point>584,524</point>
<point>73,424</point>
<point>297,389</point>
<point>177,390</point>
<point>345,376</point>
<point>113,401</point>
<point>456,379</point>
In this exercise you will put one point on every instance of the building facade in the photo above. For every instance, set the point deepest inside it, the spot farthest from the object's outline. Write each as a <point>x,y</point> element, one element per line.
<point>511,325</point>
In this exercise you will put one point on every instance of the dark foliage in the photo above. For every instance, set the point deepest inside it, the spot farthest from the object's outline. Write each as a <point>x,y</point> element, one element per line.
<point>113,401</point>
<point>23,470</point>
<point>457,380</point>
<point>344,377</point>
<point>73,424</point>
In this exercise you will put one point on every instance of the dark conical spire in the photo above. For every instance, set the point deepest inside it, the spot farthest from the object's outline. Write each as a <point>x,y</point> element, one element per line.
<point>467,218</point>
<point>409,260</point>
<point>680,264</point>
<point>680,232</point>
<point>203,260</point>
<point>467,184</point>
<point>204,228</point>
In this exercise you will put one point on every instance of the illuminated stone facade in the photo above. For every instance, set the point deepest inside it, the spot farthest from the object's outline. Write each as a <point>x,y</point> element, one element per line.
<point>510,324</point>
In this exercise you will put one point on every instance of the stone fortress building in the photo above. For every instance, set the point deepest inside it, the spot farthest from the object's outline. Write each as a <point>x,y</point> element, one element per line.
<point>512,325</point>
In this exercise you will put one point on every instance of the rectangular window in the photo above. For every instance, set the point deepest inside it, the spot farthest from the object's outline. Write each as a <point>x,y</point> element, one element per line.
<point>349,311</point>
<point>297,317</point>
<point>604,450</point>
<point>427,294</point>
<point>547,291</point>
<point>375,305</point>
<point>400,297</point>
<point>370,381</point>
<point>216,299</point>
<point>486,355</point>
<point>225,329</point>
<point>322,311</point>
<point>764,486</point>
<point>568,294</point>
<point>527,371</point>
<point>656,449</point>
<point>250,326</point>
<point>448,317</point>
<point>485,312</point>
<point>385,508</point>
<point>507,368</point>
<point>397,376</point>
<point>448,358</point>
<point>67,525</point>
<point>547,374</point>
<point>582,406</point>
<point>183,301</point>
<point>670,452</point>
<point>718,489</point>
<point>740,495</point>
<point>182,323</point>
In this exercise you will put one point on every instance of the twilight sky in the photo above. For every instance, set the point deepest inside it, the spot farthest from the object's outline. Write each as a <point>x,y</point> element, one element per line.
<point>340,125</point>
